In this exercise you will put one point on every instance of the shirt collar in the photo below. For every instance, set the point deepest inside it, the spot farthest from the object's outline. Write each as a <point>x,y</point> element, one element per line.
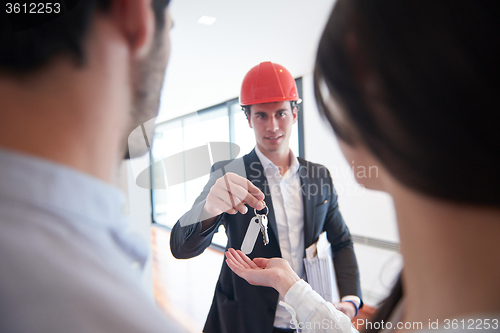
<point>79,199</point>
<point>60,189</point>
<point>267,163</point>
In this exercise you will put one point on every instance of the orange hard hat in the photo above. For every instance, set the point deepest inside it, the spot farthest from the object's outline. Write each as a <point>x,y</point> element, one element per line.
<point>268,82</point>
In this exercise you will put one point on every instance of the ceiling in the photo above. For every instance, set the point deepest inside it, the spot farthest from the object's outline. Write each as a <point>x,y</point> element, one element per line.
<point>207,63</point>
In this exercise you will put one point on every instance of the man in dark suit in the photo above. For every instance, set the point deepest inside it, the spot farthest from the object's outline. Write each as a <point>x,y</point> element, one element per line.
<point>301,200</point>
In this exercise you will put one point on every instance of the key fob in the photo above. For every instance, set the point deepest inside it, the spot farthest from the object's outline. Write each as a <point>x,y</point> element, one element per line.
<point>251,236</point>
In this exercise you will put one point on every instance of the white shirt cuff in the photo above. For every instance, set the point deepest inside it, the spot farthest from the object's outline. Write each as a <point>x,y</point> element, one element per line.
<point>309,309</point>
<point>297,300</point>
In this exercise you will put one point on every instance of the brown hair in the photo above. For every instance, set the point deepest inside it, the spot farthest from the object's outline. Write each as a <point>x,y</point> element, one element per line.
<point>35,45</point>
<point>419,82</point>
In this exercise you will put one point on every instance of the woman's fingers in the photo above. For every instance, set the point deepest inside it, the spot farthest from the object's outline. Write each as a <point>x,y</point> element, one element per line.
<point>261,262</point>
<point>236,257</point>
<point>243,260</point>
<point>253,273</point>
<point>235,267</point>
<point>230,256</point>
<point>247,260</point>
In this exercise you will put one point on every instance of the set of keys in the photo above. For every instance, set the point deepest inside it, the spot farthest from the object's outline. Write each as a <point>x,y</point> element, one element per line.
<point>258,223</point>
<point>262,220</point>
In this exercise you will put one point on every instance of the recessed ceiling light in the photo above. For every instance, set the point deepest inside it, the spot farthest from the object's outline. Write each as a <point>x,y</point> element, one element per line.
<point>206,20</point>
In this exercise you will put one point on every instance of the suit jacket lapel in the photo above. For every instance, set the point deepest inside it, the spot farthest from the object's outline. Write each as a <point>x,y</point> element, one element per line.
<point>255,173</point>
<point>305,182</point>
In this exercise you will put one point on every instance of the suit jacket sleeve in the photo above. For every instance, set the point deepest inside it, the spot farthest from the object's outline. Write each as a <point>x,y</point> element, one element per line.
<point>186,239</point>
<point>344,259</point>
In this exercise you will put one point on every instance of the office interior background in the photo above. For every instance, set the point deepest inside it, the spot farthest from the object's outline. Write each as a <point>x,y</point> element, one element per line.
<point>199,105</point>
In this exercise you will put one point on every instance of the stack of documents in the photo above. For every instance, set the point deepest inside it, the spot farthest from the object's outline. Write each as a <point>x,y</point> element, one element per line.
<point>319,269</point>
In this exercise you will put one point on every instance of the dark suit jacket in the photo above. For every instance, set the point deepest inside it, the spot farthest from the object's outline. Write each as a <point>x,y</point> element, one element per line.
<point>239,307</point>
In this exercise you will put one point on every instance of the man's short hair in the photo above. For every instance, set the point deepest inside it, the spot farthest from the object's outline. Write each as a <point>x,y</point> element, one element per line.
<point>246,108</point>
<point>25,50</point>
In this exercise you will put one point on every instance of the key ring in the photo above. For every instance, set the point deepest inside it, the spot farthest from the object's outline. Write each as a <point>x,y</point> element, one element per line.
<point>265,206</point>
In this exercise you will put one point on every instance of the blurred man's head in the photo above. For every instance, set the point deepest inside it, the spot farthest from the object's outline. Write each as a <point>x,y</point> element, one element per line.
<point>115,50</point>
<point>150,76</point>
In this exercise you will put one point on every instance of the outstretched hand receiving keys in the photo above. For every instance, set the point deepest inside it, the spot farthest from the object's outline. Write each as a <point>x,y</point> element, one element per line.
<point>274,272</point>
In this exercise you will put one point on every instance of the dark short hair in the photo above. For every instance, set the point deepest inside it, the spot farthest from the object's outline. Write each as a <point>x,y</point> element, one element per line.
<point>29,49</point>
<point>432,119</point>
<point>246,108</point>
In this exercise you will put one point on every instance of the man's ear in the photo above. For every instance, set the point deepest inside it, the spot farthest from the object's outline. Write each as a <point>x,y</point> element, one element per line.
<point>294,114</point>
<point>248,116</point>
<point>249,120</point>
<point>135,20</point>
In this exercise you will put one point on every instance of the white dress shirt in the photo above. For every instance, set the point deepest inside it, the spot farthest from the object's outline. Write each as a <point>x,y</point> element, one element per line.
<point>66,262</point>
<point>286,194</point>
<point>289,213</point>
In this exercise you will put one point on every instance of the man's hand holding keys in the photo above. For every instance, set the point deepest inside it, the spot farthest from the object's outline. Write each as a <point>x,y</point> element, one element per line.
<point>229,195</point>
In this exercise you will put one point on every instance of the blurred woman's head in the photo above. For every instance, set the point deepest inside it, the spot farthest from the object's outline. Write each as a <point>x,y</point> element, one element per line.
<point>417,84</point>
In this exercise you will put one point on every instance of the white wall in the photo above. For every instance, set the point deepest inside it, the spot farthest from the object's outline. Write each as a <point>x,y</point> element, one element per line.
<point>367,213</point>
<point>370,213</point>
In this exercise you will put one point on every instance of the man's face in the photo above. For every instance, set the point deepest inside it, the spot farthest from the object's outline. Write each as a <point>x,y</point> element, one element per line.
<point>148,83</point>
<point>272,124</point>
